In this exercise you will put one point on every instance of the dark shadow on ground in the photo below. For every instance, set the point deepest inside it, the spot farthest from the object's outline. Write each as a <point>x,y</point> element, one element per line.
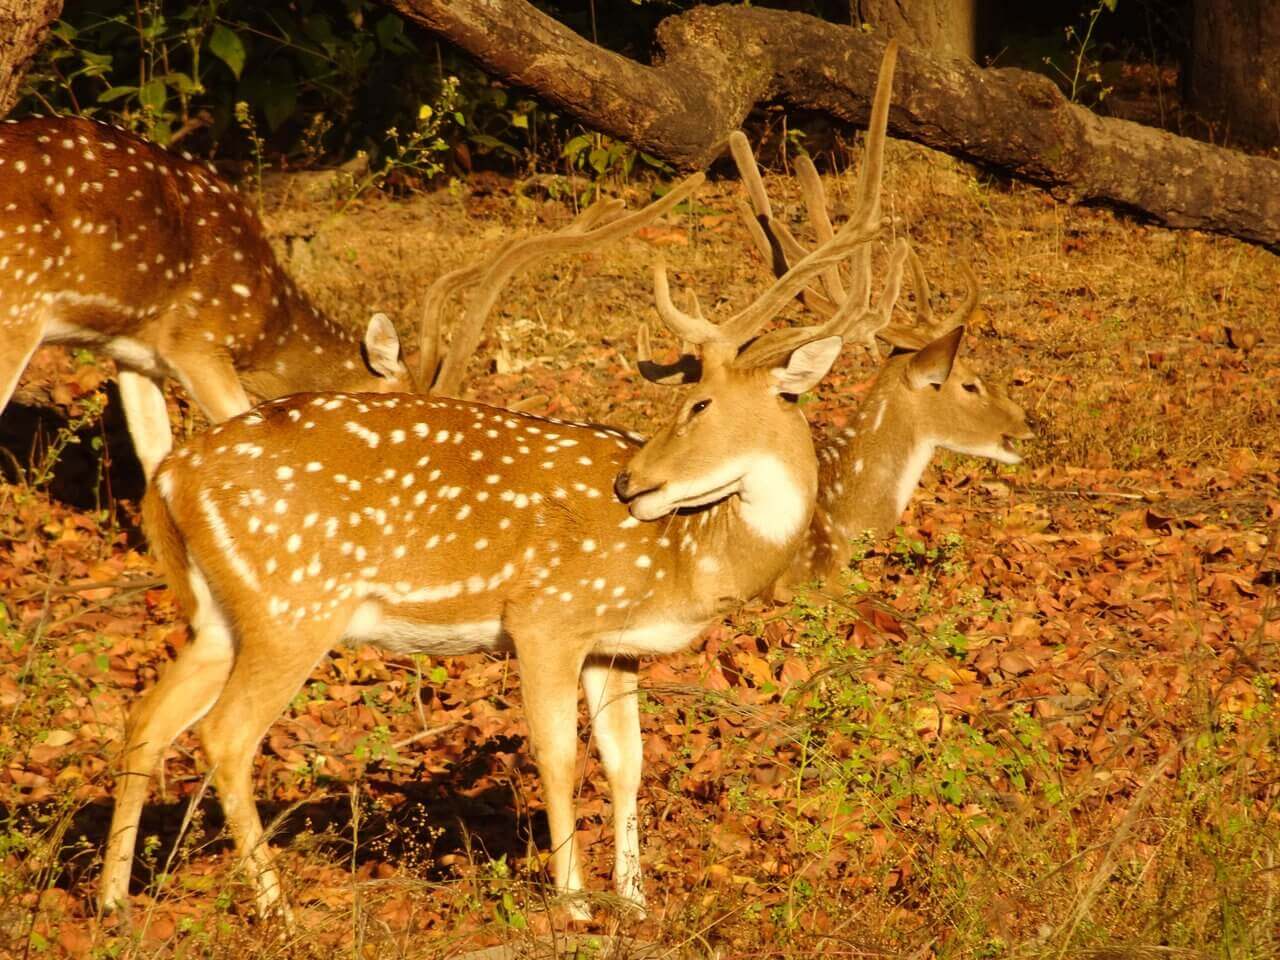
<point>407,822</point>
<point>95,469</point>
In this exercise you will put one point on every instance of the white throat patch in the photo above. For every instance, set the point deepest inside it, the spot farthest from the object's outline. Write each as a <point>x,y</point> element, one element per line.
<point>774,505</point>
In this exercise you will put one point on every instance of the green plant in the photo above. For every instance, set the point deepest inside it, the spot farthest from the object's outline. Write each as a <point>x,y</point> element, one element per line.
<point>1085,72</point>
<point>91,409</point>
<point>416,152</point>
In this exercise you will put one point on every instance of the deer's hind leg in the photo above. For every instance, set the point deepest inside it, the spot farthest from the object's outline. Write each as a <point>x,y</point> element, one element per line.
<point>185,691</point>
<point>272,663</point>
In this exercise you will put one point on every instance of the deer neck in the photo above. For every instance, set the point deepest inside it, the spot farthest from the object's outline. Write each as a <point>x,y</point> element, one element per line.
<point>726,554</point>
<point>870,469</point>
<point>296,339</point>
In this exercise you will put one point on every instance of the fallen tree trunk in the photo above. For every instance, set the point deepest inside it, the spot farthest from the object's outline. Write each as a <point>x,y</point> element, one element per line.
<point>24,24</point>
<point>715,63</point>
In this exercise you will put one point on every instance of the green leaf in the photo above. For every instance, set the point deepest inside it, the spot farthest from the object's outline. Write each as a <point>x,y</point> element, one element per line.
<point>280,96</point>
<point>390,33</point>
<point>520,120</point>
<point>152,95</point>
<point>226,45</point>
<point>576,146</point>
<point>112,94</point>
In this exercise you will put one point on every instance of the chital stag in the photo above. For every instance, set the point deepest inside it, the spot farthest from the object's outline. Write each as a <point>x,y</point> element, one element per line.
<point>444,527</point>
<point>924,397</point>
<point>111,242</point>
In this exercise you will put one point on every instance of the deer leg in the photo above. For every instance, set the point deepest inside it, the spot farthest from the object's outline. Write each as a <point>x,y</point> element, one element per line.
<point>21,344</point>
<point>147,417</point>
<point>549,682</point>
<point>612,703</point>
<point>184,692</point>
<point>266,676</point>
<point>212,383</point>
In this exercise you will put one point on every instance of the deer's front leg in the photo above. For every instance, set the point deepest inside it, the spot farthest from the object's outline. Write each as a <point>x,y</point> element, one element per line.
<point>549,680</point>
<point>612,703</point>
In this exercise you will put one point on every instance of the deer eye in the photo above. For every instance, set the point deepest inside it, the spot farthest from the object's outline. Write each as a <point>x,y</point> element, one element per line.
<point>699,407</point>
<point>972,388</point>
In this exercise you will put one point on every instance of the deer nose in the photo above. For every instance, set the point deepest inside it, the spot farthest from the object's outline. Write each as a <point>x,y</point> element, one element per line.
<point>620,484</point>
<point>1033,425</point>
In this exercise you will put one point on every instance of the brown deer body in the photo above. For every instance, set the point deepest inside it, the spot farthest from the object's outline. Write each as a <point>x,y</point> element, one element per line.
<point>436,526</point>
<point>111,242</point>
<point>439,526</point>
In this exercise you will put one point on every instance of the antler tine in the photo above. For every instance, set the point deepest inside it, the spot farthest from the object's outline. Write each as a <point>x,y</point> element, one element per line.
<point>920,283</point>
<point>745,160</point>
<point>928,327</point>
<point>757,232</point>
<point>604,226</point>
<point>871,173</point>
<point>694,328</point>
<point>815,202</point>
<point>871,321</point>
<point>430,327</point>
<point>599,213</point>
<point>972,297</point>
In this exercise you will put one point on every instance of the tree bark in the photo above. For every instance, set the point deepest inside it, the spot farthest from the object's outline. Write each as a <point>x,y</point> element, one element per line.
<point>715,63</point>
<point>24,24</point>
<point>1234,68</point>
<point>947,28</point>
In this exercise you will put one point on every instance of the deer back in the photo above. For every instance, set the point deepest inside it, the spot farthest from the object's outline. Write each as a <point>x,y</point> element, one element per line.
<point>109,241</point>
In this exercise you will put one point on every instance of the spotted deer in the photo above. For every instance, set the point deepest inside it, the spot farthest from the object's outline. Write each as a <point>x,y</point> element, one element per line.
<point>445,527</point>
<point>111,242</point>
<point>924,397</point>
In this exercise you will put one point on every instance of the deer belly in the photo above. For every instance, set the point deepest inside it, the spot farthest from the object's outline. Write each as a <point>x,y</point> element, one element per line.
<point>373,623</point>
<point>649,639</point>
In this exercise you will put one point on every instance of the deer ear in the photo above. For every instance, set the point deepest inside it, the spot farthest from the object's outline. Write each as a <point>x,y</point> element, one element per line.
<point>806,366</point>
<point>382,346</point>
<point>932,363</point>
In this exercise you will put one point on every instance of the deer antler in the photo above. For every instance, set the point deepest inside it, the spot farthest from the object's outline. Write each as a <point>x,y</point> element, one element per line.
<point>598,224</point>
<point>929,328</point>
<point>849,316</point>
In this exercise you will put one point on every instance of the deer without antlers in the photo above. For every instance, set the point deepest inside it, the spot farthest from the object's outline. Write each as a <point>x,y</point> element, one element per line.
<point>445,527</point>
<point>111,242</point>
<point>924,397</point>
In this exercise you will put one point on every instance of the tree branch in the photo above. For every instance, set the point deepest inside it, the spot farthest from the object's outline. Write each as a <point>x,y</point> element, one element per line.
<point>715,63</point>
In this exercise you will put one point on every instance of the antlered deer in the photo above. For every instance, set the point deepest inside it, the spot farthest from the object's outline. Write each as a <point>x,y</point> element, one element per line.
<point>445,527</point>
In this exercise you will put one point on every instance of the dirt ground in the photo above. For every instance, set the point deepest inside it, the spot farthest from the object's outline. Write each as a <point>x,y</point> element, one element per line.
<point>1041,722</point>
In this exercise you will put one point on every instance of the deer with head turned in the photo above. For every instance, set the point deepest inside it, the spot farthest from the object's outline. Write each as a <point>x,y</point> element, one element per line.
<point>444,527</point>
<point>924,397</point>
<point>111,242</point>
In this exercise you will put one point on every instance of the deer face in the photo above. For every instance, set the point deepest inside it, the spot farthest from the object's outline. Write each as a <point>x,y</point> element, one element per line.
<point>959,410</point>
<point>738,431</point>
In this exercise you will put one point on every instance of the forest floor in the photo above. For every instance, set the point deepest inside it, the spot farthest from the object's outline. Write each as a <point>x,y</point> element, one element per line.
<point>1042,721</point>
